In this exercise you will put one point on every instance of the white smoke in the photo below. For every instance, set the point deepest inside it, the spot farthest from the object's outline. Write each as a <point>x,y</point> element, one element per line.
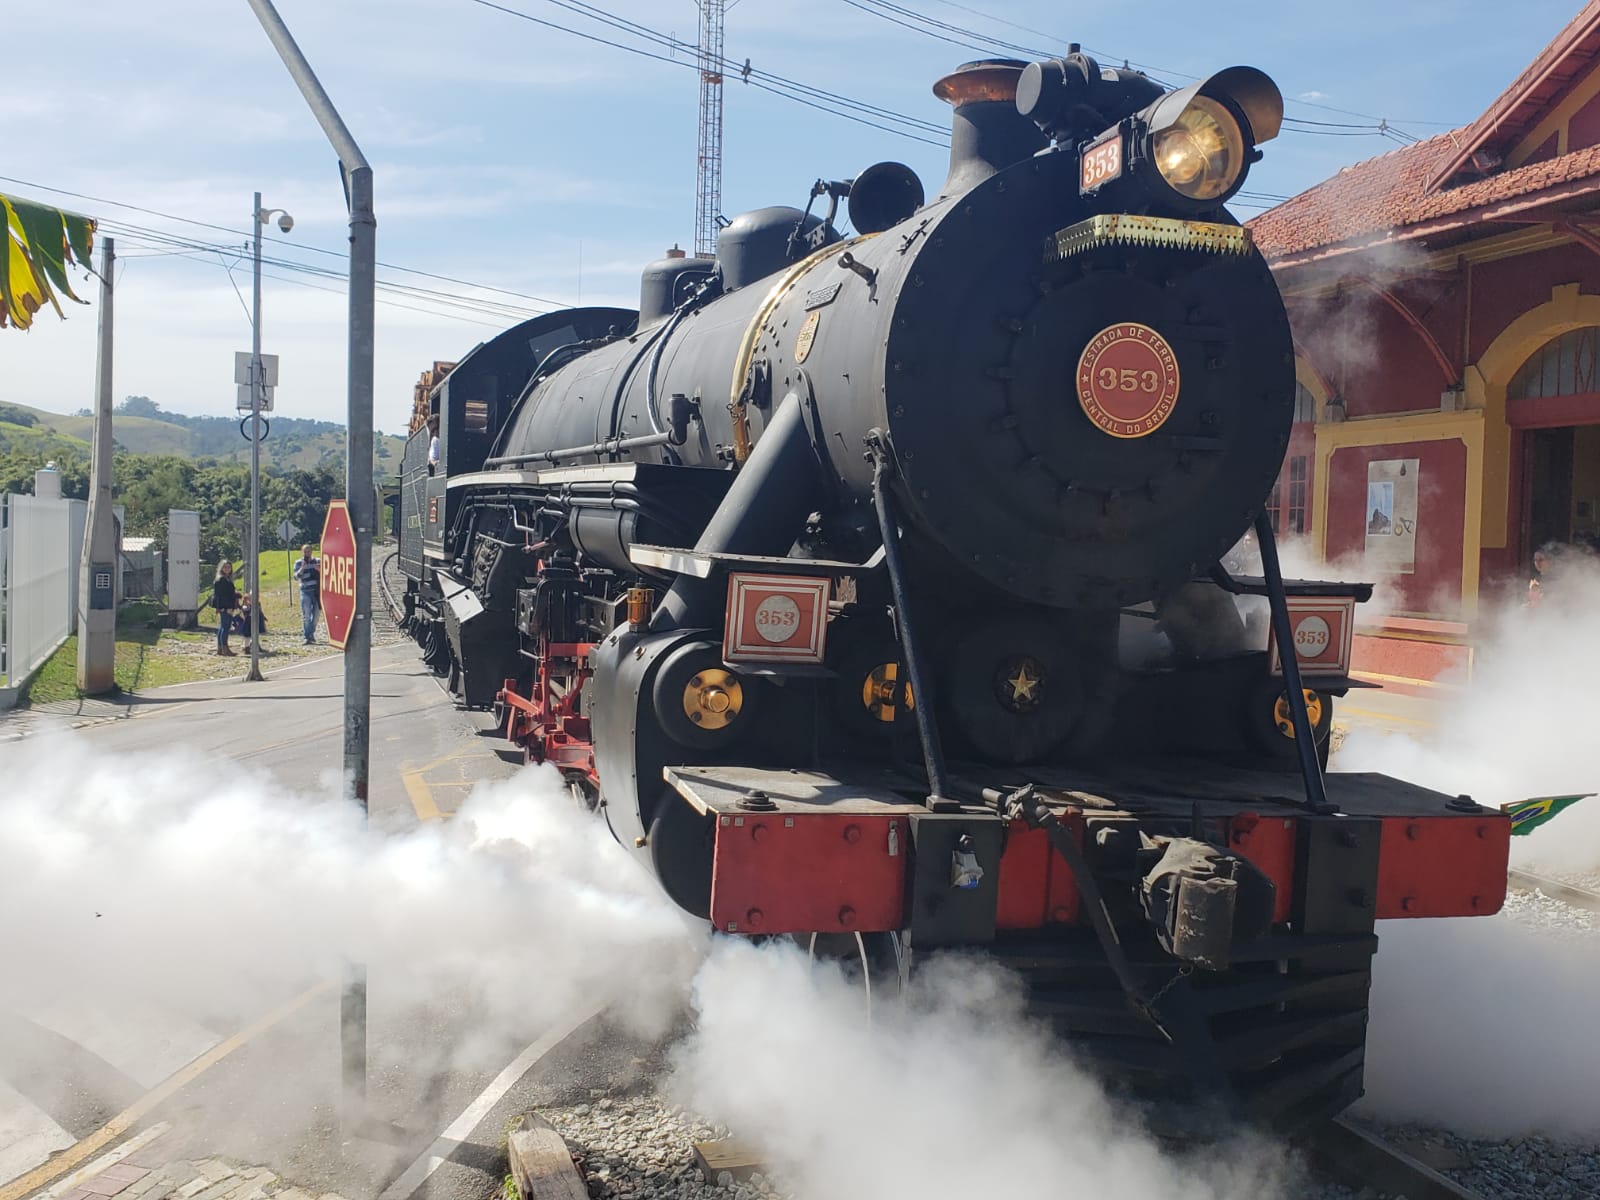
<point>1525,727</point>
<point>950,1095</point>
<point>1485,1026</point>
<point>204,894</point>
<point>182,888</point>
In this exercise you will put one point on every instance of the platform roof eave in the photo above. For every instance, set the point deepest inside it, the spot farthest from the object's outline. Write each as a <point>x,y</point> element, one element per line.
<point>1520,209</point>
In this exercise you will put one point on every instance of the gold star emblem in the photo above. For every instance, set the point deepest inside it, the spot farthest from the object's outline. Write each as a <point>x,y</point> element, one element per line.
<point>1023,684</point>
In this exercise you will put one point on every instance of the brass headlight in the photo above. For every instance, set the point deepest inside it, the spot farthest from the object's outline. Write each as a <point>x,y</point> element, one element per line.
<point>1201,155</point>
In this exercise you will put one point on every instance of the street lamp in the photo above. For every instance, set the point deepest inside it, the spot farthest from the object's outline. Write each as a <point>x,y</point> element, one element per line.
<point>285,223</point>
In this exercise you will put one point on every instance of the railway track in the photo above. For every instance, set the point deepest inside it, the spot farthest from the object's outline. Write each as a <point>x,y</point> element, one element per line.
<point>1360,1158</point>
<point>1557,889</point>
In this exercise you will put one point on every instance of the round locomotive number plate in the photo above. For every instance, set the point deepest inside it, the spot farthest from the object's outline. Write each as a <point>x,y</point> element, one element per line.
<point>1127,380</point>
<point>1311,637</point>
<point>777,619</point>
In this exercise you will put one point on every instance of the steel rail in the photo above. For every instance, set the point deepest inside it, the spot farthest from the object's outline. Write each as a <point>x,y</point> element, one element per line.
<point>1557,889</point>
<point>1363,1159</point>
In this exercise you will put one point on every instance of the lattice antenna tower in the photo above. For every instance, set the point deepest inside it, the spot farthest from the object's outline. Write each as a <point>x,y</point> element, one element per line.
<point>708,181</point>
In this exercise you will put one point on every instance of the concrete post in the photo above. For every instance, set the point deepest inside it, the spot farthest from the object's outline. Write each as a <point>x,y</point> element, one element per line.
<point>97,570</point>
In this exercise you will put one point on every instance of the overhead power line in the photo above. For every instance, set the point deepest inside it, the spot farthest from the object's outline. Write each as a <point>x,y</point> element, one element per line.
<point>478,310</point>
<point>972,39</point>
<point>340,254</point>
<point>821,99</point>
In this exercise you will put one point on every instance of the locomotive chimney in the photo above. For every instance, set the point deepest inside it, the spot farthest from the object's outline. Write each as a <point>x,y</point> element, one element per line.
<point>987,133</point>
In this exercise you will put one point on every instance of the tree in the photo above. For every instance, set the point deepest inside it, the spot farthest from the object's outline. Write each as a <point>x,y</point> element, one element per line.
<point>40,243</point>
<point>17,468</point>
<point>139,406</point>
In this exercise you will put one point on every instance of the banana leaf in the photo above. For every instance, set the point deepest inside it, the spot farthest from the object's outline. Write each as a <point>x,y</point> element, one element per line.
<point>40,244</point>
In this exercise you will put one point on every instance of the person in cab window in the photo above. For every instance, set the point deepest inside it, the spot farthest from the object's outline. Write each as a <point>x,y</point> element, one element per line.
<point>433,443</point>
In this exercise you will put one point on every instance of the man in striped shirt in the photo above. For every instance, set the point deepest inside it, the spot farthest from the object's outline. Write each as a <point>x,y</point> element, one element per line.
<point>308,571</point>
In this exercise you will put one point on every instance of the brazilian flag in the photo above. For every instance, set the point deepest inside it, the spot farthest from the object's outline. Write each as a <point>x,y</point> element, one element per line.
<point>1526,815</point>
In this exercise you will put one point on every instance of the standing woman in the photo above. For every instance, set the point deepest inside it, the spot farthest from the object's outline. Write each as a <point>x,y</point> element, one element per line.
<point>225,599</point>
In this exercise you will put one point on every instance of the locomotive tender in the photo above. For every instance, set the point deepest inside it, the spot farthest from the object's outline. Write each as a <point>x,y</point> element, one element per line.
<point>872,588</point>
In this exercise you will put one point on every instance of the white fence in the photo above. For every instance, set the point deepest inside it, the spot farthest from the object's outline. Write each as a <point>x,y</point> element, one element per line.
<point>38,570</point>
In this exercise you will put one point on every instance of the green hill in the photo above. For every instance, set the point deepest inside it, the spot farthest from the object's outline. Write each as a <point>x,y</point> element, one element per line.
<point>143,427</point>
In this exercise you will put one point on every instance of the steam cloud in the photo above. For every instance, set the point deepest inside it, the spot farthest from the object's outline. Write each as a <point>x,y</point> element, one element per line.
<point>171,885</point>
<point>950,1093</point>
<point>178,892</point>
<point>1526,726</point>
<point>1486,1025</point>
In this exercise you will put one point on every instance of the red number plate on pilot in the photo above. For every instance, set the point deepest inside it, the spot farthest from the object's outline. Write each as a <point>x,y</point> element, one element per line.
<point>1101,163</point>
<point>775,618</point>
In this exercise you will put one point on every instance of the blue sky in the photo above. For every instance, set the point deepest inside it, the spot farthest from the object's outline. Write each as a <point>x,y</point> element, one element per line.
<point>510,155</point>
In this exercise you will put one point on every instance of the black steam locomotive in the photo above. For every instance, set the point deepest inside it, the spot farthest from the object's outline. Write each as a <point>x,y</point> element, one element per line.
<point>876,589</point>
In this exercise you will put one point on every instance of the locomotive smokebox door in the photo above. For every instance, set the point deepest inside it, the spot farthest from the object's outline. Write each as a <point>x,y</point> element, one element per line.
<point>955,878</point>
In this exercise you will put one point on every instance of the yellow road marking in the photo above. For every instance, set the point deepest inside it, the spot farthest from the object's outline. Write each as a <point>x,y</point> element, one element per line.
<point>1348,710</point>
<point>421,800</point>
<point>458,752</point>
<point>124,1120</point>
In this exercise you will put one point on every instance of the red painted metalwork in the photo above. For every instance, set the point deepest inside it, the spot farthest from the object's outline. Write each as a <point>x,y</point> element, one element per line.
<point>1443,866</point>
<point>549,724</point>
<point>1269,844</point>
<point>809,873</point>
<point>1036,885</point>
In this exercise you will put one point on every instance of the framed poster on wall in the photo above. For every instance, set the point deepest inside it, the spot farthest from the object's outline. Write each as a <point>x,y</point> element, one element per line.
<point>1391,516</point>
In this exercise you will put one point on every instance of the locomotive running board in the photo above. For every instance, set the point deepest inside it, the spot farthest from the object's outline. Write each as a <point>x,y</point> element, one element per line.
<point>702,564</point>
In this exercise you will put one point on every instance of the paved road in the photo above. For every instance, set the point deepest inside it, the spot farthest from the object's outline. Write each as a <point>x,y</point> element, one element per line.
<point>425,756</point>
<point>1387,712</point>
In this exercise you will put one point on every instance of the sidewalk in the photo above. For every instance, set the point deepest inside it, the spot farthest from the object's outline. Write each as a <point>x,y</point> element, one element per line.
<point>160,1164</point>
<point>76,713</point>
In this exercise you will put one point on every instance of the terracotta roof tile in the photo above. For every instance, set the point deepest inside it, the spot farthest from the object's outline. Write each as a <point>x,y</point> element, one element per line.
<point>1390,193</point>
<point>1544,81</point>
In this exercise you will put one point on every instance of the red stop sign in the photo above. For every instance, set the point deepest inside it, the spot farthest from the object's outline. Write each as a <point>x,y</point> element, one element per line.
<point>338,573</point>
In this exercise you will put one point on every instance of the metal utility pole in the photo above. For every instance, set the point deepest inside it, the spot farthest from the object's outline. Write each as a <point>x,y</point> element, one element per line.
<point>258,384</point>
<point>358,493</point>
<point>97,603</point>
<point>708,182</point>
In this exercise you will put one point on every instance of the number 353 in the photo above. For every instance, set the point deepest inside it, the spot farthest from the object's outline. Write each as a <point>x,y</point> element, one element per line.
<point>1127,380</point>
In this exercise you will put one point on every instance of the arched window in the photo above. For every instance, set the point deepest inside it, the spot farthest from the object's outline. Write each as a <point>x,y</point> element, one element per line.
<point>1305,404</point>
<point>1563,366</point>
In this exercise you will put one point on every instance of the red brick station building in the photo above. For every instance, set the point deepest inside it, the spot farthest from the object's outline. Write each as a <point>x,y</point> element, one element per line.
<point>1445,300</point>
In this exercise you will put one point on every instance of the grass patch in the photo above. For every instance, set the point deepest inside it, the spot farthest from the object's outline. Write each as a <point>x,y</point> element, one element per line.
<point>150,656</point>
<point>137,665</point>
